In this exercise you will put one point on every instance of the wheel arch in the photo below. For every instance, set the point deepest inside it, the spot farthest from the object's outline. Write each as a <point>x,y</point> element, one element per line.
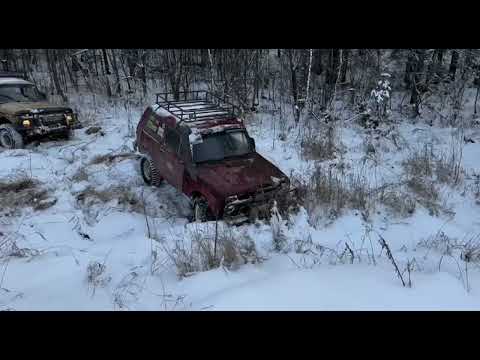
<point>4,120</point>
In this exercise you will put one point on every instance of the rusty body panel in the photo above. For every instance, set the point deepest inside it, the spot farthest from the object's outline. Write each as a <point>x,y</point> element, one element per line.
<point>17,108</point>
<point>234,187</point>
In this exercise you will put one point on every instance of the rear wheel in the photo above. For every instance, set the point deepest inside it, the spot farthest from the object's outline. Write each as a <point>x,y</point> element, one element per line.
<point>200,209</point>
<point>10,138</point>
<point>149,173</point>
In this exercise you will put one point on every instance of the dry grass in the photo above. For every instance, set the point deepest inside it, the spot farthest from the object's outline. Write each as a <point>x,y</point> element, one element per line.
<point>397,203</point>
<point>333,191</point>
<point>80,175</point>
<point>444,168</point>
<point>124,196</point>
<point>9,248</point>
<point>96,275</point>
<point>420,163</point>
<point>22,192</point>
<point>111,158</point>
<point>448,168</point>
<point>425,171</point>
<point>320,146</point>
<point>203,249</point>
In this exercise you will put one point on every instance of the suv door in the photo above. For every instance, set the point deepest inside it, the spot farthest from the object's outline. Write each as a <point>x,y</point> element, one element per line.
<point>174,165</point>
<point>149,140</point>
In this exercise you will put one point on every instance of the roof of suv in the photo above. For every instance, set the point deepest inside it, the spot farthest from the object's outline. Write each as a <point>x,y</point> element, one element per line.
<point>202,114</point>
<point>13,81</point>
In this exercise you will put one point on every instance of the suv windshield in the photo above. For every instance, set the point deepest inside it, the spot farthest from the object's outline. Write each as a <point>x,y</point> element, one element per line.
<point>222,145</point>
<point>19,93</point>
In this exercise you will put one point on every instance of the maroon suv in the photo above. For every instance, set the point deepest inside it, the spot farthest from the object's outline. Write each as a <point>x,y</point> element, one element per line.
<point>200,146</point>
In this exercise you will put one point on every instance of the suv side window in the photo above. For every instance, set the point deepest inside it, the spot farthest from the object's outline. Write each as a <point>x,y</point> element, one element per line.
<point>172,138</point>
<point>155,128</point>
<point>184,151</point>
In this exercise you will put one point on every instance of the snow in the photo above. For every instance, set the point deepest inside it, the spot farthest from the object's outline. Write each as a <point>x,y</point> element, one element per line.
<point>14,81</point>
<point>163,112</point>
<point>195,137</point>
<point>279,285</point>
<point>55,278</point>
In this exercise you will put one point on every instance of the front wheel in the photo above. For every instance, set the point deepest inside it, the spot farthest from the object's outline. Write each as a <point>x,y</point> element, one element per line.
<point>200,209</point>
<point>10,138</point>
<point>67,134</point>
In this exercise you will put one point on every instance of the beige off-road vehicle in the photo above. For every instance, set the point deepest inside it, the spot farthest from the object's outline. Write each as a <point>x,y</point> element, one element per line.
<point>25,113</point>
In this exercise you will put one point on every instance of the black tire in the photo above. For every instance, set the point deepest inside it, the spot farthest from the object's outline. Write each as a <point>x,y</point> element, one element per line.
<point>10,138</point>
<point>200,209</point>
<point>149,173</point>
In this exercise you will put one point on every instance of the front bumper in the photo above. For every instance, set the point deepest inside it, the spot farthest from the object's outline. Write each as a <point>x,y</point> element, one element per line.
<point>46,130</point>
<point>254,206</point>
<point>45,124</point>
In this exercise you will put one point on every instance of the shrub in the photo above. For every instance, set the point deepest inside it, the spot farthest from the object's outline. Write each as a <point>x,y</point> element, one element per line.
<point>398,203</point>
<point>96,275</point>
<point>320,146</point>
<point>332,190</point>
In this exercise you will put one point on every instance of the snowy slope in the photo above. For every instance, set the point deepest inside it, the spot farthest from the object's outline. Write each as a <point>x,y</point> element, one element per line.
<point>68,237</point>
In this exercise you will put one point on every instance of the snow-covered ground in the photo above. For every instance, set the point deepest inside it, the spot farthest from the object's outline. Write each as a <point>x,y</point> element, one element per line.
<point>65,238</point>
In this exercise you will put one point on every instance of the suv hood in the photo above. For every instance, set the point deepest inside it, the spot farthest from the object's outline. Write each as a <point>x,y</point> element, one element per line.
<point>26,107</point>
<point>239,176</point>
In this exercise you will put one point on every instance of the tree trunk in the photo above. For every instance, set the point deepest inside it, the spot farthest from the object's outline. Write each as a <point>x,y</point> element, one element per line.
<point>71,75</point>
<point>343,71</point>
<point>143,71</point>
<point>418,68</point>
<point>53,70</point>
<point>105,62</point>
<point>293,82</point>
<point>118,86</point>
<point>453,64</point>
<point>317,62</point>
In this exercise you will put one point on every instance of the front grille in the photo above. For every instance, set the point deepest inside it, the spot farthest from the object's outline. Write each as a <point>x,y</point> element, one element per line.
<point>262,190</point>
<point>53,119</point>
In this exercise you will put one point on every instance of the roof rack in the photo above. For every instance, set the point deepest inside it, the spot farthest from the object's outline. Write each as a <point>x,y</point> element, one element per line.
<point>9,74</point>
<point>197,105</point>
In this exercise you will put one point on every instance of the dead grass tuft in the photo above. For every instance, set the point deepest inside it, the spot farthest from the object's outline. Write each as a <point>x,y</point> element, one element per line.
<point>203,249</point>
<point>111,158</point>
<point>24,192</point>
<point>125,197</point>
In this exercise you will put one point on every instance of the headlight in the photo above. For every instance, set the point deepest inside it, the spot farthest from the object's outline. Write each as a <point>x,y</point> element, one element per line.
<point>26,123</point>
<point>69,118</point>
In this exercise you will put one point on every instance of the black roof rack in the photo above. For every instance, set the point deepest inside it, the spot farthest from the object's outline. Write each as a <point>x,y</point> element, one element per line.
<point>5,74</point>
<point>197,105</point>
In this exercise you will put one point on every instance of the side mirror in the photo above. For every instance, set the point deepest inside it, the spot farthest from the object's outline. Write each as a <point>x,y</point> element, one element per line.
<point>251,141</point>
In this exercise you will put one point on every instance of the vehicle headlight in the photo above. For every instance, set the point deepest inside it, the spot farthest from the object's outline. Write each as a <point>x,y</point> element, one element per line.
<point>69,118</point>
<point>26,123</point>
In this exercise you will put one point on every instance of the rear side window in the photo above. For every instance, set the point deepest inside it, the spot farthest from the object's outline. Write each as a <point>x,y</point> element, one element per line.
<point>152,124</point>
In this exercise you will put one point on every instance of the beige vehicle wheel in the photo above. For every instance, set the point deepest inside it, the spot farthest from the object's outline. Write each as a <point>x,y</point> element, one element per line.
<point>10,138</point>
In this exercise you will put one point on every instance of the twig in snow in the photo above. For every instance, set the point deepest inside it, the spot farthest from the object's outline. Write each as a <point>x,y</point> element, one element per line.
<point>352,256</point>
<point>385,246</point>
